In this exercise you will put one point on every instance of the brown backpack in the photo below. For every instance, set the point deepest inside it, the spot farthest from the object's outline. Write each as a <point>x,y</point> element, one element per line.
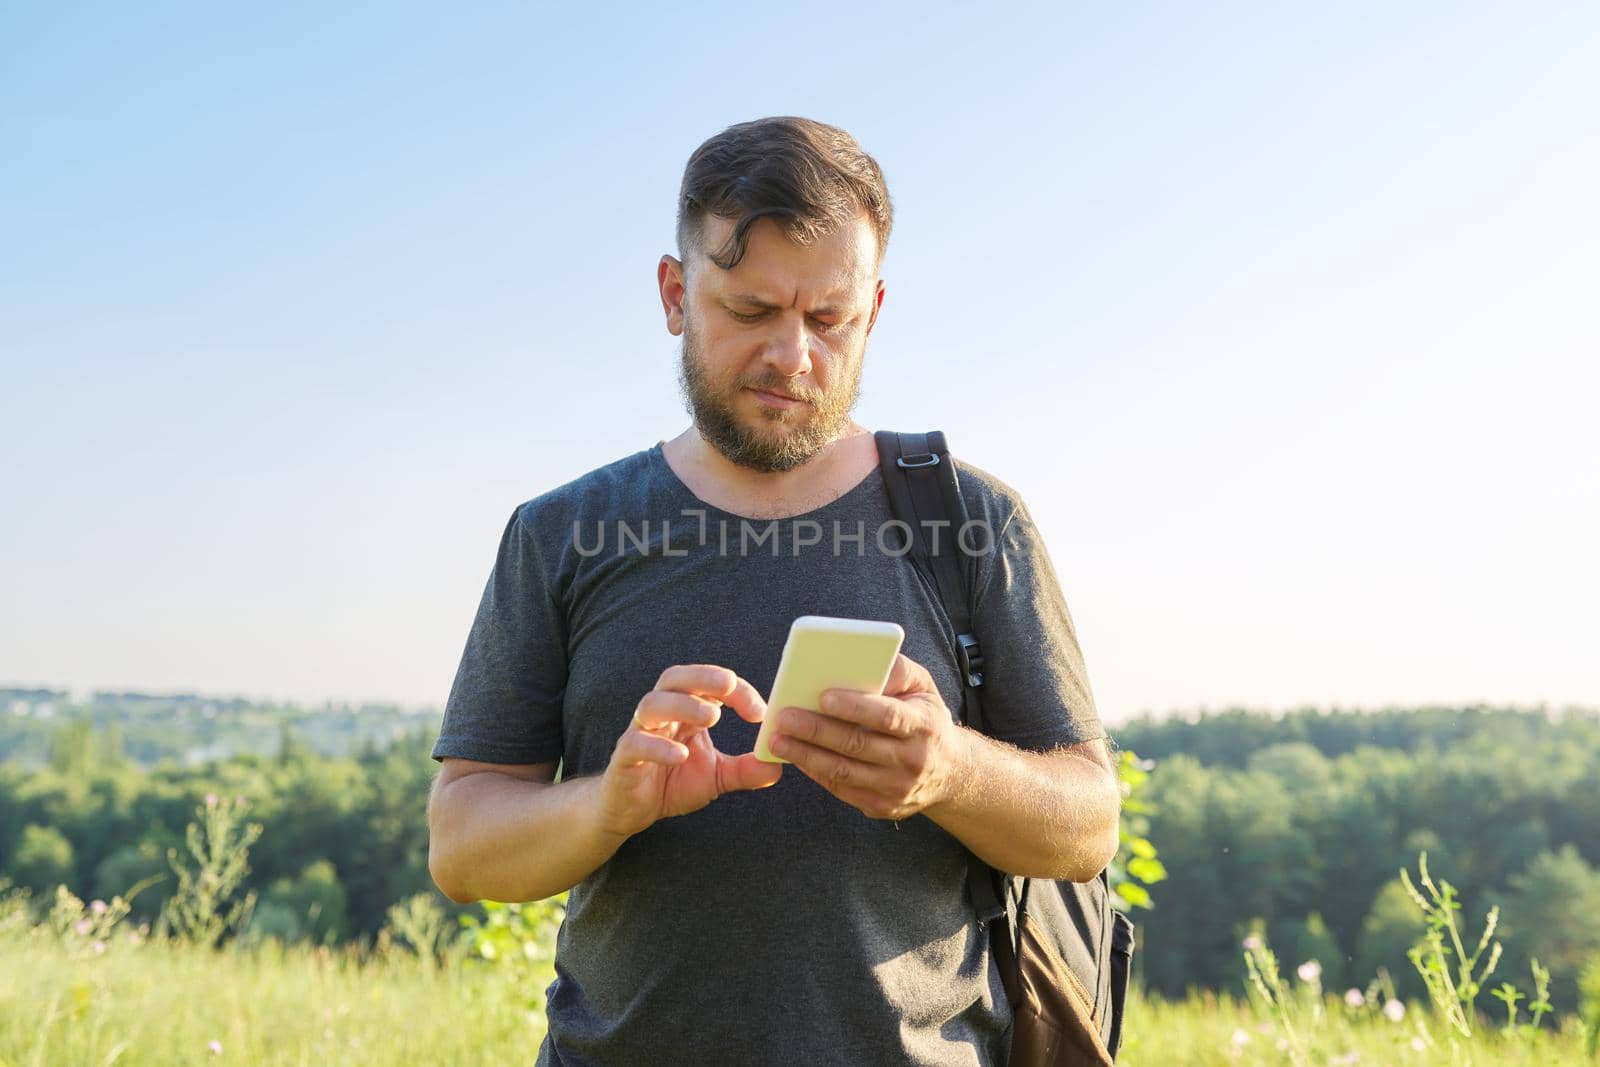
<point>1063,952</point>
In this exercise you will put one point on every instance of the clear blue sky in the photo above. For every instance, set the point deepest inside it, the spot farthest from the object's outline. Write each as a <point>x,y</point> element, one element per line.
<point>1282,317</point>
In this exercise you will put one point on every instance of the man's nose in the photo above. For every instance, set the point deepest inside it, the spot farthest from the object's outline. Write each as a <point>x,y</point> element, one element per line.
<point>789,349</point>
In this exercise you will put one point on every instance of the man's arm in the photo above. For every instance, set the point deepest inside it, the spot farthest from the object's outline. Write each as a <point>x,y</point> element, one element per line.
<point>509,832</point>
<point>1035,814</point>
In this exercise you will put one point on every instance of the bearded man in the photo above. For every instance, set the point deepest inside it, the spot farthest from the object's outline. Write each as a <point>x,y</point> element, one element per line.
<point>726,910</point>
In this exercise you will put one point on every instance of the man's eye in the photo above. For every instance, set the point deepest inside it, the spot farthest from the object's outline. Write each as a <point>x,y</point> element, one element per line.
<point>742,317</point>
<point>828,327</point>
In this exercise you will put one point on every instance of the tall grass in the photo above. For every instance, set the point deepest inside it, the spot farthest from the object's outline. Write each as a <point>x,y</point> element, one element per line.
<point>1308,1027</point>
<point>1218,1030</point>
<point>174,1002</point>
<point>166,1003</point>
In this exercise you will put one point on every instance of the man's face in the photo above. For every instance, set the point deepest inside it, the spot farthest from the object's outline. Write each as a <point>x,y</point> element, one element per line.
<point>772,350</point>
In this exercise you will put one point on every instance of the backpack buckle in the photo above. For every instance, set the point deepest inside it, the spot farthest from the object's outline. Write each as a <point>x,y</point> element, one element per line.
<point>971,656</point>
<point>925,459</point>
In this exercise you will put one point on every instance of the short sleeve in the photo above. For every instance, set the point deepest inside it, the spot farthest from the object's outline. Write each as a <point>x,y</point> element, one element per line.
<point>505,702</point>
<point>1036,691</point>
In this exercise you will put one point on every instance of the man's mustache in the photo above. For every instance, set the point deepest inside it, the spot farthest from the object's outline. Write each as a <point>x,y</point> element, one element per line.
<point>782,388</point>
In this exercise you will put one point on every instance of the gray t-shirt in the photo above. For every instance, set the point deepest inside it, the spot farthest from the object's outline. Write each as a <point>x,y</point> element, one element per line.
<point>779,925</point>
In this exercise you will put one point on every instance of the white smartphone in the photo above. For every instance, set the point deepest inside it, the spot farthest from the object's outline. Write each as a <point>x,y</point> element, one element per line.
<point>825,653</point>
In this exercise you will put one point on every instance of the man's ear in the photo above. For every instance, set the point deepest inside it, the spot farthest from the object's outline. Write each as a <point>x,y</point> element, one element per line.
<point>877,302</point>
<point>672,282</point>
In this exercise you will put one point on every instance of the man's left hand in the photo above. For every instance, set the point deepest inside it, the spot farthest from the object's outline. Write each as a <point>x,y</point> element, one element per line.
<point>889,756</point>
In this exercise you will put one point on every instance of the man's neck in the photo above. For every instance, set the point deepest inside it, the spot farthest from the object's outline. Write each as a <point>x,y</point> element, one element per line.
<point>716,479</point>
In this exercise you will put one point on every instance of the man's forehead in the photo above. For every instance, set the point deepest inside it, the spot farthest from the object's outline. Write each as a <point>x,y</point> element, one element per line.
<point>776,272</point>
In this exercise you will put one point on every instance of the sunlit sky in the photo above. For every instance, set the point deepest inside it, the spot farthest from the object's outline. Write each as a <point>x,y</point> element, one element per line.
<point>1281,317</point>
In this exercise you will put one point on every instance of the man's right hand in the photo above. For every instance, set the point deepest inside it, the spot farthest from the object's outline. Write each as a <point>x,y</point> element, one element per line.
<point>664,763</point>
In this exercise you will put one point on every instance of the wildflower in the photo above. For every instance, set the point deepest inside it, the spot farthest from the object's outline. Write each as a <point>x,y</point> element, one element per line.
<point>1309,971</point>
<point>97,906</point>
<point>1418,1044</point>
<point>1394,1010</point>
<point>211,802</point>
<point>1240,1039</point>
<point>99,947</point>
<point>1282,1045</point>
<point>1344,1059</point>
<point>215,1046</point>
<point>82,926</point>
<point>1252,943</point>
<point>1264,1028</point>
<point>1354,998</point>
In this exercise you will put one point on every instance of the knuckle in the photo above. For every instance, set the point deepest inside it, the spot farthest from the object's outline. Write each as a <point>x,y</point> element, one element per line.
<point>917,761</point>
<point>855,742</point>
<point>838,772</point>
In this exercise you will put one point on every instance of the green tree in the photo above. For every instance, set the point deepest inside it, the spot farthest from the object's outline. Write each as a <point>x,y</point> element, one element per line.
<point>129,865</point>
<point>1308,939</point>
<point>1552,914</point>
<point>72,748</point>
<point>314,900</point>
<point>43,860</point>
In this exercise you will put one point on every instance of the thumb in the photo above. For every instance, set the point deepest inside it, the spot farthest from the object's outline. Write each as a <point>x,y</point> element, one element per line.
<point>907,676</point>
<point>745,772</point>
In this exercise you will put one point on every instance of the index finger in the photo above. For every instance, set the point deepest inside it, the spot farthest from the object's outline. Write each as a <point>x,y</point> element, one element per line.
<point>715,683</point>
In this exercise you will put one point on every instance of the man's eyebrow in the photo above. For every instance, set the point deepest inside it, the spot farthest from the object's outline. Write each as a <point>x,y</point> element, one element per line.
<point>751,300</point>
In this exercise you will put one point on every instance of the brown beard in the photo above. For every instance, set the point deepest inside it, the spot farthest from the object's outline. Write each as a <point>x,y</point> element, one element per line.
<point>802,432</point>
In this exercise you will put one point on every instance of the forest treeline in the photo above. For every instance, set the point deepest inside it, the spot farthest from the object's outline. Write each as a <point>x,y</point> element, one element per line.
<point>1301,822</point>
<point>342,838</point>
<point>150,727</point>
<point>1294,826</point>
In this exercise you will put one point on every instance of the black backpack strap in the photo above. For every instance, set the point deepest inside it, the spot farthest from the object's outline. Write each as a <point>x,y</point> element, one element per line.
<point>925,495</point>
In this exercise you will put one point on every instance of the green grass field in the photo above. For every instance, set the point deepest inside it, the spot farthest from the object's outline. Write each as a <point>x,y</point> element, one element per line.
<point>63,1002</point>
<point>177,1003</point>
<point>1213,1030</point>
<point>79,985</point>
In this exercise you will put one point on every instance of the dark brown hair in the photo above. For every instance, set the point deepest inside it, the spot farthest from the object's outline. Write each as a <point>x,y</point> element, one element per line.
<point>807,176</point>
